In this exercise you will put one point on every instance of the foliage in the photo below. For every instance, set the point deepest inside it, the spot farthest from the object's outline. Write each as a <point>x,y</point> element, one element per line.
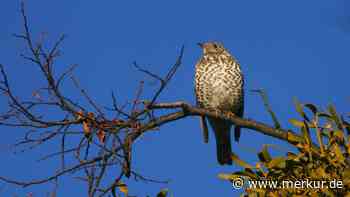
<point>323,155</point>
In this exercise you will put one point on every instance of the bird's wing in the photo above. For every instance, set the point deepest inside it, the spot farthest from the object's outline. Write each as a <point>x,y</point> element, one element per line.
<point>203,121</point>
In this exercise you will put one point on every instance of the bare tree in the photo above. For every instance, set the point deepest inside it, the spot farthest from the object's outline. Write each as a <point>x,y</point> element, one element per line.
<point>106,141</point>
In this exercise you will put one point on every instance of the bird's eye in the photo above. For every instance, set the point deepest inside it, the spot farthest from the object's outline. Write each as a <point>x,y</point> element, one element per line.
<point>215,46</point>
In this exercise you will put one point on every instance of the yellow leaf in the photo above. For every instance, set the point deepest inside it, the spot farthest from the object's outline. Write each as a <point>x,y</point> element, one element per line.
<point>318,173</point>
<point>339,134</point>
<point>272,194</point>
<point>306,133</point>
<point>292,138</point>
<point>240,162</point>
<point>296,123</point>
<point>123,187</point>
<point>228,176</point>
<point>264,155</point>
<point>101,136</point>
<point>79,115</point>
<point>163,193</point>
<point>258,165</point>
<point>346,182</point>
<point>277,162</point>
<point>338,153</point>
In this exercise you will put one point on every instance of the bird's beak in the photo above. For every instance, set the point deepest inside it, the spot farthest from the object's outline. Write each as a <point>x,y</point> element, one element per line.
<point>200,44</point>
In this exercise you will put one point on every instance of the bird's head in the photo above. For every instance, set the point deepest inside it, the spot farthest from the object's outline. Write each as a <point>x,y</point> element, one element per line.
<point>212,47</point>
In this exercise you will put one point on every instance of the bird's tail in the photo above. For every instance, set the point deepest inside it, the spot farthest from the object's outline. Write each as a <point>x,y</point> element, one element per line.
<point>204,129</point>
<point>223,140</point>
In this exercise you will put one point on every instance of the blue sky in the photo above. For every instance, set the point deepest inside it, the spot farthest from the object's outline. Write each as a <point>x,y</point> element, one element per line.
<point>289,48</point>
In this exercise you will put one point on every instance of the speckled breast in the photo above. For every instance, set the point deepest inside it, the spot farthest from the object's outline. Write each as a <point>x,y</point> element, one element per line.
<point>219,83</point>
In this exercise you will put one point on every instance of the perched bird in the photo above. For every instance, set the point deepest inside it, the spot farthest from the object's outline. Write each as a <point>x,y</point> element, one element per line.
<point>219,86</point>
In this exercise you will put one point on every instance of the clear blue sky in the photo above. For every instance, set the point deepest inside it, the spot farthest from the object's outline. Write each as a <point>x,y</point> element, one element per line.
<point>289,48</point>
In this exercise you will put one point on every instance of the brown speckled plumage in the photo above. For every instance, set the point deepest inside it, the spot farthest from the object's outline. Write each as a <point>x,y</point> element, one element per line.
<point>219,86</point>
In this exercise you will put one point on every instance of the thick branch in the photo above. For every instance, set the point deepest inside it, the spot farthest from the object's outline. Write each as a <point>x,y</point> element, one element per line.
<point>188,110</point>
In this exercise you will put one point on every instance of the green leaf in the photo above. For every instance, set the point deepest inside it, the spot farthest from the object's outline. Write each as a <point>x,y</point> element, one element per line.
<point>338,153</point>
<point>300,110</point>
<point>251,195</point>
<point>163,193</point>
<point>228,176</point>
<point>293,138</point>
<point>264,155</point>
<point>240,162</point>
<point>246,173</point>
<point>346,173</point>
<point>277,162</point>
<point>306,133</point>
<point>325,115</point>
<point>346,125</point>
<point>320,172</point>
<point>291,154</point>
<point>312,107</point>
<point>339,135</point>
<point>296,123</point>
<point>335,116</point>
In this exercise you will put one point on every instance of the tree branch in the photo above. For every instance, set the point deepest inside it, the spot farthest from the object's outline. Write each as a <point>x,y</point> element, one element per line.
<point>188,110</point>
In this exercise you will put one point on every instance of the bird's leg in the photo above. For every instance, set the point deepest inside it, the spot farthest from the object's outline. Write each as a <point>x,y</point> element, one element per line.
<point>204,129</point>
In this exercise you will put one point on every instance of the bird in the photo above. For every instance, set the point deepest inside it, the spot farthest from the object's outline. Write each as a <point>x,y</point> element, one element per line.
<point>219,86</point>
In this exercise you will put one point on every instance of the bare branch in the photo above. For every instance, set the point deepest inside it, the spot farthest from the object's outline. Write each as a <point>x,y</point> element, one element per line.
<point>187,110</point>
